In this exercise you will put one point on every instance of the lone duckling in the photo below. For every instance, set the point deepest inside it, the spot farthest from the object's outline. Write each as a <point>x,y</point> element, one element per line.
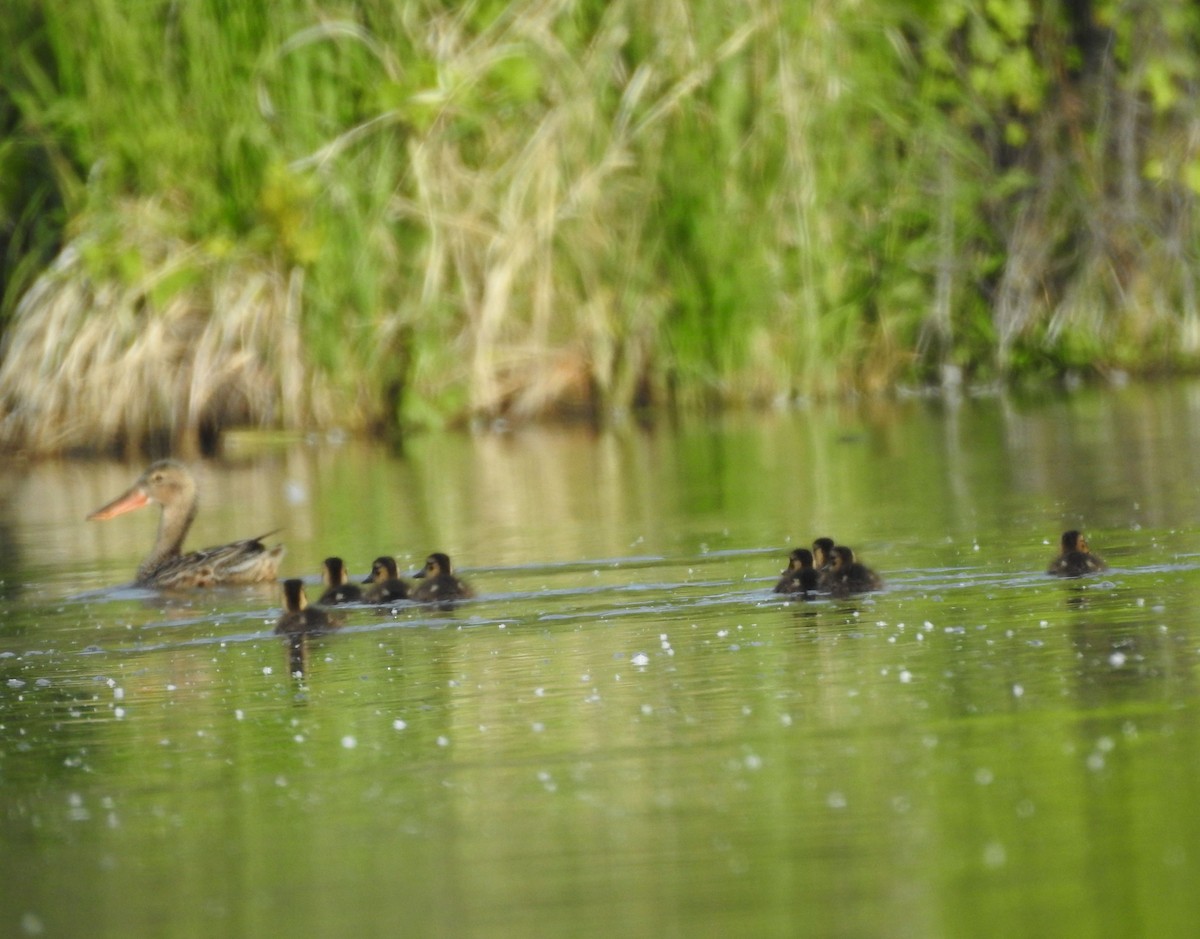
<point>799,576</point>
<point>338,588</point>
<point>385,583</point>
<point>1075,558</point>
<point>298,617</point>
<point>438,582</point>
<point>847,575</point>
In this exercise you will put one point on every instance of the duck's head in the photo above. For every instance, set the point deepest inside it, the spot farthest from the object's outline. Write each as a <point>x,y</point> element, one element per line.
<point>822,550</point>
<point>335,573</point>
<point>382,568</point>
<point>799,560</point>
<point>435,565</point>
<point>294,597</point>
<point>165,482</point>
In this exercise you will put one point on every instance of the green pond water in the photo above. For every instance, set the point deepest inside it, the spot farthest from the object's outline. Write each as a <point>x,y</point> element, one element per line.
<point>627,733</point>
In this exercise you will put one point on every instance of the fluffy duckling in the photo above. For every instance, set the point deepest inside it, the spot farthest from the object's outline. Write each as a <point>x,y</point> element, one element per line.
<point>298,617</point>
<point>1075,558</point>
<point>438,582</point>
<point>847,575</point>
<point>822,550</point>
<point>338,588</point>
<point>385,583</point>
<point>799,576</point>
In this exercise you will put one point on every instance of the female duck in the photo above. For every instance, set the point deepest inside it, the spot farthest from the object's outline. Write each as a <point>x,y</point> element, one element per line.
<point>438,582</point>
<point>799,576</point>
<point>298,617</point>
<point>847,575</point>
<point>338,588</point>
<point>170,485</point>
<point>385,583</point>
<point>1075,558</point>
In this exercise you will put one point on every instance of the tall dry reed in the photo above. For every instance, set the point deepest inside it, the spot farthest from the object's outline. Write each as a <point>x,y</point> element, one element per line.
<point>188,346</point>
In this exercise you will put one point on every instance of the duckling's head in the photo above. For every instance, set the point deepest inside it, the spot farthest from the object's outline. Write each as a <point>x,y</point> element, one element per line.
<point>1074,541</point>
<point>822,550</point>
<point>294,598</point>
<point>435,565</point>
<point>842,558</point>
<point>382,568</point>
<point>335,572</point>
<point>799,560</point>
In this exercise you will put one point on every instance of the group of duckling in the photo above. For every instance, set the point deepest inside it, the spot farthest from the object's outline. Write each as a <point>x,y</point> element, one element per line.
<point>833,569</point>
<point>828,568</point>
<point>438,584</point>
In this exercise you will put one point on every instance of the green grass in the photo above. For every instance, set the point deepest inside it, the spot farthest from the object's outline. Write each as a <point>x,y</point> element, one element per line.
<point>384,217</point>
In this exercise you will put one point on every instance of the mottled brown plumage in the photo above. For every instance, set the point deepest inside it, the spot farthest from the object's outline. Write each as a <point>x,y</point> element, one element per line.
<point>171,485</point>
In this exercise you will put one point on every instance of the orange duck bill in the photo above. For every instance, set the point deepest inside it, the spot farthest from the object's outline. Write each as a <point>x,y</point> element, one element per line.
<point>171,485</point>
<point>135,498</point>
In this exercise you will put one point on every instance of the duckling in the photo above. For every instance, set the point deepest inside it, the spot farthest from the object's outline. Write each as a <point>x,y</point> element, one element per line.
<point>1075,558</point>
<point>298,617</point>
<point>439,584</point>
<point>385,583</point>
<point>822,549</point>
<point>799,576</point>
<point>337,583</point>
<point>848,576</point>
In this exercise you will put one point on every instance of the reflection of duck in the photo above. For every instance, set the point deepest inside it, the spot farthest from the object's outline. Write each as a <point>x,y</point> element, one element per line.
<point>799,576</point>
<point>337,582</point>
<point>385,583</point>
<point>170,485</point>
<point>847,575</point>
<point>1075,558</point>
<point>438,582</point>
<point>298,616</point>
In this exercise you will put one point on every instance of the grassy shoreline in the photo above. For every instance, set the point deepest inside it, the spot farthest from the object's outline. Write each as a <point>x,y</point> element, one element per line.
<point>383,220</point>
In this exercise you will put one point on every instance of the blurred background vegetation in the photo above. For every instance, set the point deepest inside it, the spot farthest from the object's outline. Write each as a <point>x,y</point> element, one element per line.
<point>380,215</point>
